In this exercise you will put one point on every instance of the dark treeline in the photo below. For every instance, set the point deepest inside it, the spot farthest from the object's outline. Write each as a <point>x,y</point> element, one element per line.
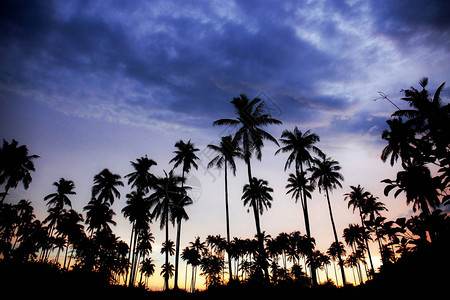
<point>418,139</point>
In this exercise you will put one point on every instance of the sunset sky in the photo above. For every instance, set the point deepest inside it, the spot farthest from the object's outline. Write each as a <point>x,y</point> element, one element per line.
<point>89,85</point>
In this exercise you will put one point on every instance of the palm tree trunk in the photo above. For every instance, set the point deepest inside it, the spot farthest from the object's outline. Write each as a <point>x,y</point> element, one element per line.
<point>227,221</point>
<point>166,278</point>
<point>129,253</point>
<point>177,247</point>
<point>341,263</point>
<point>308,229</point>
<point>367,241</point>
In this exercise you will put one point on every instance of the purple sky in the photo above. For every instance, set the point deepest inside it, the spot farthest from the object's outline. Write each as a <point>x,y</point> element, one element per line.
<point>94,84</point>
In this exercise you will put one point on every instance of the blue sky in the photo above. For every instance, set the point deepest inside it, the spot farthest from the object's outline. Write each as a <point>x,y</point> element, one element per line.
<point>94,84</point>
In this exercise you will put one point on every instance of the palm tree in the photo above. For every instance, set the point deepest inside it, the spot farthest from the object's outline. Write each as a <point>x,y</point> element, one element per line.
<point>300,187</point>
<point>59,199</point>
<point>147,268</point>
<point>137,211</point>
<point>357,198</point>
<point>401,142</point>
<point>421,189</point>
<point>250,118</point>
<point>185,156</point>
<point>141,178</point>
<point>15,166</point>
<point>353,236</point>
<point>227,151</point>
<point>326,173</point>
<point>336,252</point>
<point>257,195</point>
<point>98,216</point>
<point>105,186</point>
<point>167,193</point>
<point>429,117</point>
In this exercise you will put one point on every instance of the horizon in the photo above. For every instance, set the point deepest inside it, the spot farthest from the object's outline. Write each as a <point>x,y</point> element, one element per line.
<point>95,85</point>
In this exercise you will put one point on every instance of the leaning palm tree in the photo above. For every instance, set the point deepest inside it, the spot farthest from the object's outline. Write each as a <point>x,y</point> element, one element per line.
<point>250,118</point>
<point>15,166</point>
<point>226,152</point>
<point>105,186</point>
<point>325,172</point>
<point>185,156</point>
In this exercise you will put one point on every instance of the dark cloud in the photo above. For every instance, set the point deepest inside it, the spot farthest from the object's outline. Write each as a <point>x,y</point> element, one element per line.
<point>191,59</point>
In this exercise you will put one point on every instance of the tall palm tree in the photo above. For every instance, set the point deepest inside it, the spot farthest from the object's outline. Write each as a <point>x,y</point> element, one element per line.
<point>141,178</point>
<point>59,199</point>
<point>105,186</point>
<point>300,187</point>
<point>185,156</point>
<point>226,152</point>
<point>325,172</point>
<point>250,118</point>
<point>167,192</point>
<point>357,198</point>
<point>299,146</point>
<point>15,166</point>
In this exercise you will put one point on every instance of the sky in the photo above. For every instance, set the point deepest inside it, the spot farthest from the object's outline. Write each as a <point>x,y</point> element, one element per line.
<point>89,85</point>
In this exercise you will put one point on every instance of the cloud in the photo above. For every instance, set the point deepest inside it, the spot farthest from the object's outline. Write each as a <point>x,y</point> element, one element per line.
<point>172,61</point>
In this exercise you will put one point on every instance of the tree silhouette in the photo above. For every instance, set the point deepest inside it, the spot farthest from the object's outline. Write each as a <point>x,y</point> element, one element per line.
<point>325,172</point>
<point>227,151</point>
<point>167,192</point>
<point>105,186</point>
<point>299,146</point>
<point>15,166</point>
<point>137,210</point>
<point>59,199</point>
<point>141,178</point>
<point>185,156</point>
<point>357,198</point>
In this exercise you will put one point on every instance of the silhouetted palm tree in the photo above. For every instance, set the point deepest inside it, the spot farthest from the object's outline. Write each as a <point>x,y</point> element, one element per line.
<point>429,118</point>
<point>336,251</point>
<point>227,151</point>
<point>98,216</point>
<point>141,178</point>
<point>250,118</point>
<point>421,189</point>
<point>105,186</point>
<point>185,156</point>
<point>401,142</point>
<point>257,195</point>
<point>167,192</point>
<point>357,198</point>
<point>59,199</point>
<point>15,166</point>
<point>325,172</point>
<point>147,268</point>
<point>137,211</point>
<point>353,236</point>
